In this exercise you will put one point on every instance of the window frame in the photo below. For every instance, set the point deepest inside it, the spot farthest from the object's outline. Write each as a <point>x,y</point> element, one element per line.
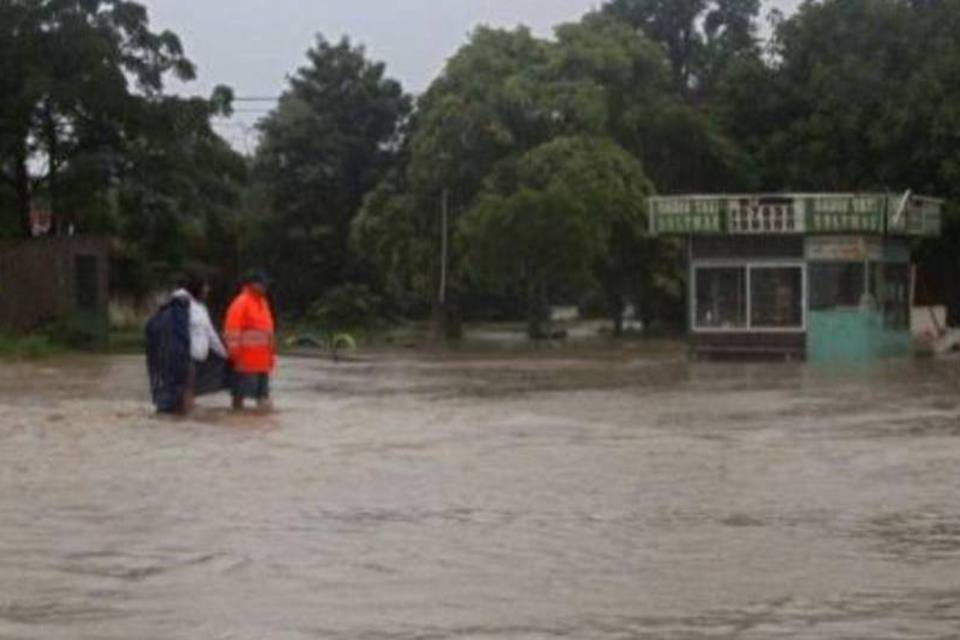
<point>749,266</point>
<point>866,285</point>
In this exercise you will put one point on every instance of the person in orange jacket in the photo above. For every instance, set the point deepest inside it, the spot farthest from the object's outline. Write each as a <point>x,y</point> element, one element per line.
<point>249,335</point>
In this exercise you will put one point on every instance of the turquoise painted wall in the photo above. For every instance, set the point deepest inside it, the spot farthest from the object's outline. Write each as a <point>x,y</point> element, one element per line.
<point>852,335</point>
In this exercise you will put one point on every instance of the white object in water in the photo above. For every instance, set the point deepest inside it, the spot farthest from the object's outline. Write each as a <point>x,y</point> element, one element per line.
<point>929,328</point>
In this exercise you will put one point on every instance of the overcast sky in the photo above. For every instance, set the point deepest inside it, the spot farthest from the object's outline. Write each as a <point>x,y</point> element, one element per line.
<point>253,45</point>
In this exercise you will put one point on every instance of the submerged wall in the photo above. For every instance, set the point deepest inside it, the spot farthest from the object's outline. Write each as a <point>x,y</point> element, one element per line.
<point>54,280</point>
<point>853,335</point>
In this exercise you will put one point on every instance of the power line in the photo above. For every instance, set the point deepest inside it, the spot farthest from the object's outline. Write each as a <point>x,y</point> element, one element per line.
<point>256,99</point>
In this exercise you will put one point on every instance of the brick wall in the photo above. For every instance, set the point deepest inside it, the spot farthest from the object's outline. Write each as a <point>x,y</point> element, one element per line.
<point>46,279</point>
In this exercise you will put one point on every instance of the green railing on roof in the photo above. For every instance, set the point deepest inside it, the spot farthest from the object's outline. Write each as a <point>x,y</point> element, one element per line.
<point>866,214</point>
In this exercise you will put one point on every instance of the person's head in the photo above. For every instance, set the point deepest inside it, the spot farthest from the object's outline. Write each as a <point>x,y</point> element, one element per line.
<point>256,279</point>
<point>196,286</point>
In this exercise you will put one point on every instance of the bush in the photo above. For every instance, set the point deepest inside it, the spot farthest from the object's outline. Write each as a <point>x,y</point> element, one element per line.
<point>349,307</point>
<point>81,330</point>
<point>26,346</point>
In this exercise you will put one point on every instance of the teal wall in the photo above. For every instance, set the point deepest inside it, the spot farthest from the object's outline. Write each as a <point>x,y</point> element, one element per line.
<point>852,335</point>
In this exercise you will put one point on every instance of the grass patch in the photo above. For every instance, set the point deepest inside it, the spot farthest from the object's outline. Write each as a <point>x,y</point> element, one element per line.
<point>28,347</point>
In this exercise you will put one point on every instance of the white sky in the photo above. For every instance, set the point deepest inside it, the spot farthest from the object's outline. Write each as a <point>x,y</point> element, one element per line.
<point>253,45</point>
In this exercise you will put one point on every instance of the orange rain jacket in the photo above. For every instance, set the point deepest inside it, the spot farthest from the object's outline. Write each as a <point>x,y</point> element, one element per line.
<point>249,333</point>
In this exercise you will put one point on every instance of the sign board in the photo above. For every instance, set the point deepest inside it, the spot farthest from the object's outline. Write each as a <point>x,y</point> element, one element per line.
<point>843,249</point>
<point>686,216</point>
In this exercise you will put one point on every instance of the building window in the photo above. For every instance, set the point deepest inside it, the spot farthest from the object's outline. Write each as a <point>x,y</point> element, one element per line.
<point>721,297</point>
<point>776,297</point>
<point>837,285</point>
<point>87,281</point>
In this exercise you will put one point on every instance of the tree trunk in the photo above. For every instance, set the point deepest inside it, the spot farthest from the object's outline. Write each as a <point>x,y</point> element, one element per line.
<point>447,321</point>
<point>452,320</point>
<point>538,311</point>
<point>618,324</point>
<point>533,318</point>
<point>534,326</point>
<point>616,306</point>
<point>22,188</point>
<point>53,149</point>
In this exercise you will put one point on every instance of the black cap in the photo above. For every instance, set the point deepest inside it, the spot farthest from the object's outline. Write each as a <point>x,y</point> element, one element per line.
<point>194,283</point>
<point>256,276</point>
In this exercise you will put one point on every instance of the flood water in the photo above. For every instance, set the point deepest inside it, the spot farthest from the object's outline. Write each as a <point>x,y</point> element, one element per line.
<point>577,494</point>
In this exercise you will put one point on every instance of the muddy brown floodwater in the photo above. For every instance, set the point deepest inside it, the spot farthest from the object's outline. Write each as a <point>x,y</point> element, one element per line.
<point>580,494</point>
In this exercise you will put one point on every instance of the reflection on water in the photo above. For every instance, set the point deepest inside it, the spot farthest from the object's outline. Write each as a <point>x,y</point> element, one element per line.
<point>586,494</point>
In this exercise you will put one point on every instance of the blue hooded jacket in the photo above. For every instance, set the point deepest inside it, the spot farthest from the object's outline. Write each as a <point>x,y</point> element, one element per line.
<point>168,353</point>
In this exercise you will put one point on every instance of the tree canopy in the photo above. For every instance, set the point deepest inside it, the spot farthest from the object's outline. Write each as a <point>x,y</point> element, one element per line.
<point>87,133</point>
<point>533,155</point>
<point>328,142</point>
<point>861,94</point>
<point>67,70</point>
<point>545,222</point>
<point>504,96</point>
<point>699,37</point>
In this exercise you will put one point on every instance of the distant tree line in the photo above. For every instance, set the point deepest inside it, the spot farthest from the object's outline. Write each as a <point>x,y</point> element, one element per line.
<point>516,181</point>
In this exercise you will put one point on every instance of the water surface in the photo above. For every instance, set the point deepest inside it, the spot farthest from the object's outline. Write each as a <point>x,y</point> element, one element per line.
<point>580,494</point>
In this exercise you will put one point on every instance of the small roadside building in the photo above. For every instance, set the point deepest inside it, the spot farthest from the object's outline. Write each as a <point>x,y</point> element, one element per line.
<point>825,277</point>
<point>55,280</point>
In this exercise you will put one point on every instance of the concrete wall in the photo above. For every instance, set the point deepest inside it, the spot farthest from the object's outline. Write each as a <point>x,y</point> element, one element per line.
<point>39,281</point>
<point>852,335</point>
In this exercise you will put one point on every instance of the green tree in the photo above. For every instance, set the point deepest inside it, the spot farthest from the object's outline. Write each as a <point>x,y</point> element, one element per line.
<point>858,95</point>
<point>66,69</point>
<point>390,234</point>
<point>483,108</point>
<point>329,141</point>
<point>700,37</point>
<point>179,192</point>
<point>682,147</point>
<point>507,93</point>
<point>87,132</point>
<point>546,222</point>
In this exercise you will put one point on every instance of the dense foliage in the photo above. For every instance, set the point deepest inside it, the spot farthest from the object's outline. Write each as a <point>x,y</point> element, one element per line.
<point>516,181</point>
<point>87,134</point>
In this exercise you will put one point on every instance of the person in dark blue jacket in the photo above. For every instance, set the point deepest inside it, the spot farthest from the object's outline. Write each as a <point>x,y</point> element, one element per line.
<point>168,354</point>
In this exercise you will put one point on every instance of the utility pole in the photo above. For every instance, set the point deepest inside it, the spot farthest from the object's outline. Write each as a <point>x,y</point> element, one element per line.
<point>444,207</point>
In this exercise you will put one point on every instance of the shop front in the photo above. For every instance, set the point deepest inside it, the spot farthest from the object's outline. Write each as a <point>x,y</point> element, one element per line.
<point>822,277</point>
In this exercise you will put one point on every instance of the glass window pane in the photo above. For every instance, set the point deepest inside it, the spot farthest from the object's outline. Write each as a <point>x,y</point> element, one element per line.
<point>836,284</point>
<point>893,294</point>
<point>776,297</point>
<point>721,297</point>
